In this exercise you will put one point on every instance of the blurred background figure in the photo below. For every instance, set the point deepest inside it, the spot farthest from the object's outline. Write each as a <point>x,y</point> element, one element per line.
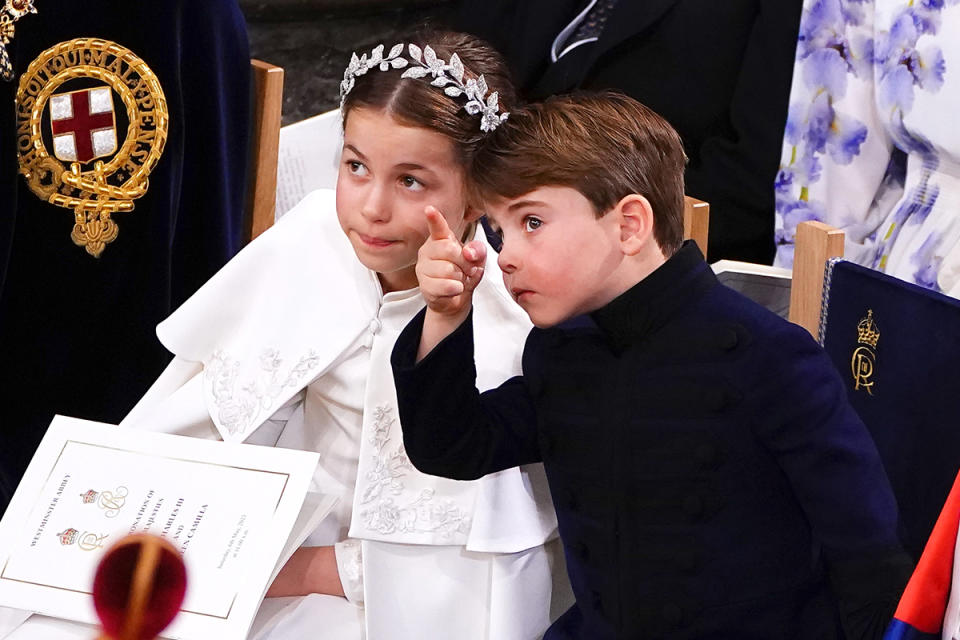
<point>719,72</point>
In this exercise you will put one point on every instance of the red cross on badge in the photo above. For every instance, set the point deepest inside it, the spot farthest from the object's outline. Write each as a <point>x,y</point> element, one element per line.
<point>83,123</point>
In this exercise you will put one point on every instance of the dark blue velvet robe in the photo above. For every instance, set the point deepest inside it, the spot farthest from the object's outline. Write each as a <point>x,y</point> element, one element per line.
<point>77,332</point>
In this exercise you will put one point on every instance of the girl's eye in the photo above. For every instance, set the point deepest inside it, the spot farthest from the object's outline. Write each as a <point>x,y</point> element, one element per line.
<point>531,223</point>
<point>356,167</point>
<point>409,182</point>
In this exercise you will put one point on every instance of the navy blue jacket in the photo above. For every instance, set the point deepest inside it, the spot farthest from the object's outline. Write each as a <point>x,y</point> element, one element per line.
<point>710,478</point>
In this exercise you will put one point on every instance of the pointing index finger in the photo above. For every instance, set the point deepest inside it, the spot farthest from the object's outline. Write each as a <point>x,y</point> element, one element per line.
<point>437,224</point>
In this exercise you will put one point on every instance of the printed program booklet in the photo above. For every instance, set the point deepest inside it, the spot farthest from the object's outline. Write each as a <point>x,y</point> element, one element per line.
<point>236,512</point>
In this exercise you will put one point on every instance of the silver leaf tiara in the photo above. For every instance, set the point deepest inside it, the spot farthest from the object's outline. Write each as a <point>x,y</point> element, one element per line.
<point>423,63</point>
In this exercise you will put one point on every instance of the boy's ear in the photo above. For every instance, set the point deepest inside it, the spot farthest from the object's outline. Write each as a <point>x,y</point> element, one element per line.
<point>636,223</point>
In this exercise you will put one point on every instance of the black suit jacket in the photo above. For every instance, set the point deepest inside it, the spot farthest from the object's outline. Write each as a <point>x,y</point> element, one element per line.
<point>709,476</point>
<point>718,71</point>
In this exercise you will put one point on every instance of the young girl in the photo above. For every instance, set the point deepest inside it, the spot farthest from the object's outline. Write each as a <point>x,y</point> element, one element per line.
<point>289,346</point>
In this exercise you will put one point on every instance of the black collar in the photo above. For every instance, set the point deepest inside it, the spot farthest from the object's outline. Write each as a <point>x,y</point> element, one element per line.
<point>653,301</point>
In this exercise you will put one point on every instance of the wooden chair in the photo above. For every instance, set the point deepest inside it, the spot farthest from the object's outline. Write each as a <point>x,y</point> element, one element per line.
<point>267,86</point>
<point>816,244</point>
<point>696,221</point>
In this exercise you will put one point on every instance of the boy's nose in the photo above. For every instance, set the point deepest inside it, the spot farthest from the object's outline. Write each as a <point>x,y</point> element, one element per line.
<point>506,259</point>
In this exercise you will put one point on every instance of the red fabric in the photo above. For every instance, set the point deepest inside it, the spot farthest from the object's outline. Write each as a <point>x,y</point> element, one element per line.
<point>924,601</point>
<point>112,586</point>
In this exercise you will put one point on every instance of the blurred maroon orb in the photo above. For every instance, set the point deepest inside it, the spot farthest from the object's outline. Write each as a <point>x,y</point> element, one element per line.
<point>139,587</point>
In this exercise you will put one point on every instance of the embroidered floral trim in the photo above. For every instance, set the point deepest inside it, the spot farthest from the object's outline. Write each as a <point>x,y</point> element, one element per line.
<point>241,403</point>
<point>424,514</point>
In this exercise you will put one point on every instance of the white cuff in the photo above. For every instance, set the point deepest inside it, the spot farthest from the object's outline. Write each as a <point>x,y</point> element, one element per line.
<point>349,556</point>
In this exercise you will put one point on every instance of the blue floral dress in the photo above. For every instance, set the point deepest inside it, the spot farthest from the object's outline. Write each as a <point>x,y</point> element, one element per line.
<point>872,142</point>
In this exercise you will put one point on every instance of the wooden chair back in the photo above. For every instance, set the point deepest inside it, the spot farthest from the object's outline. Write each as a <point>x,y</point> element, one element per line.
<point>267,86</point>
<point>816,243</point>
<point>696,221</point>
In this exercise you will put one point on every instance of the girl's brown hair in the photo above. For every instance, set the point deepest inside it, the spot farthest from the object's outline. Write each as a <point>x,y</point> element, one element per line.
<point>417,103</point>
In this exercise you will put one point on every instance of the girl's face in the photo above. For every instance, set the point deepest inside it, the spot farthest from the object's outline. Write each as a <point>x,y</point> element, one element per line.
<point>389,173</point>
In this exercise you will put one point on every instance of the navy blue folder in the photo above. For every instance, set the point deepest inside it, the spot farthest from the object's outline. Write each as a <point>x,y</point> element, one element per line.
<point>897,347</point>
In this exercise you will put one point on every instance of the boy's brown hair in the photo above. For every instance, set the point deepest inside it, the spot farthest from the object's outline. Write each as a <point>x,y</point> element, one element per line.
<point>605,145</point>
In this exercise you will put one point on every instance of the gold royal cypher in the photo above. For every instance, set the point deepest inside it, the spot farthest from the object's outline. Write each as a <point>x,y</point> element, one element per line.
<point>863,361</point>
<point>86,171</point>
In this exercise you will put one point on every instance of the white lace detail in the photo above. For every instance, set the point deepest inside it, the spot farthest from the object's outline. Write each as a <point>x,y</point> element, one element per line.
<point>422,514</point>
<point>241,402</point>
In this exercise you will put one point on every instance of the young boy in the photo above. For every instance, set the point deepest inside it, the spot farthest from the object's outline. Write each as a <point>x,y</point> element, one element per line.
<point>709,476</point>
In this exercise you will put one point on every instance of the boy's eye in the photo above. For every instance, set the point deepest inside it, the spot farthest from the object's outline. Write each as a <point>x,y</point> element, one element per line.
<point>409,182</point>
<point>356,167</point>
<point>531,223</point>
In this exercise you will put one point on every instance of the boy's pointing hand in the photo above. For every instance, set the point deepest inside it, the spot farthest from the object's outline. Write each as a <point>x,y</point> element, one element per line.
<point>448,271</point>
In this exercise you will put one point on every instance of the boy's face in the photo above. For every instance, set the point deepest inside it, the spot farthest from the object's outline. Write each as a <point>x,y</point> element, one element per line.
<point>558,259</point>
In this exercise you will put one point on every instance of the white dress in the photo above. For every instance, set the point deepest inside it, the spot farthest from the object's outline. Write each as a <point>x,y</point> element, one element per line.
<point>871,143</point>
<point>289,345</point>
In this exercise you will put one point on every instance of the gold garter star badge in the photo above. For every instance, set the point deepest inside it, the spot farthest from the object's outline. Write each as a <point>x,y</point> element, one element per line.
<point>69,144</point>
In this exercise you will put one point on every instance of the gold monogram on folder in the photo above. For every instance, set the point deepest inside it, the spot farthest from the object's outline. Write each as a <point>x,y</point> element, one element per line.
<point>864,359</point>
<point>110,501</point>
<point>86,541</point>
